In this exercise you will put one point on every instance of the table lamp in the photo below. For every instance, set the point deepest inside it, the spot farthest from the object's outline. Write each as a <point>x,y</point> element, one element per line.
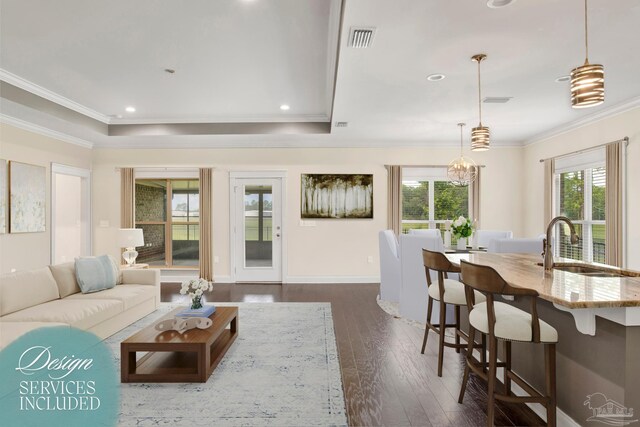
<point>130,238</point>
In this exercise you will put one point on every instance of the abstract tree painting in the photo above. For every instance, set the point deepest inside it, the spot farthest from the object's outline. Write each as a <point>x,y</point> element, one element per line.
<point>337,196</point>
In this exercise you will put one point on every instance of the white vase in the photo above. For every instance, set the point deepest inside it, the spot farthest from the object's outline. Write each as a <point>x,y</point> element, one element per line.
<point>462,244</point>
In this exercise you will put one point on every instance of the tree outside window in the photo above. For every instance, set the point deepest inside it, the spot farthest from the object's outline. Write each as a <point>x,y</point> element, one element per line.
<point>581,198</point>
<point>429,203</point>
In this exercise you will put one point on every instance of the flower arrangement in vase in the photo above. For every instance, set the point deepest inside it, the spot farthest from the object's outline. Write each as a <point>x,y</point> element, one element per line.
<point>461,230</point>
<point>195,288</point>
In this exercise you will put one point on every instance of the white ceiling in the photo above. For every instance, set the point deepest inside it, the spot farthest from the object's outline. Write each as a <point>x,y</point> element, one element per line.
<point>239,60</point>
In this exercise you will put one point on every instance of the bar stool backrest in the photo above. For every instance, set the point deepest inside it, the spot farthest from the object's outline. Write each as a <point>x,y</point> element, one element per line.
<point>437,261</point>
<point>487,280</point>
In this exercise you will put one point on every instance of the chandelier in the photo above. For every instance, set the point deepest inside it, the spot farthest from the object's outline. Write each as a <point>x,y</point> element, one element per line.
<point>463,170</point>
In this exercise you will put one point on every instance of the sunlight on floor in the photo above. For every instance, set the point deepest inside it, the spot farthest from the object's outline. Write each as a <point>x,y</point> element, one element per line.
<point>257,298</point>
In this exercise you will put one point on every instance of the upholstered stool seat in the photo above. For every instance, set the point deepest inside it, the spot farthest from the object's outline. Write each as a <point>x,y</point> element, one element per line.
<point>453,293</point>
<point>511,324</point>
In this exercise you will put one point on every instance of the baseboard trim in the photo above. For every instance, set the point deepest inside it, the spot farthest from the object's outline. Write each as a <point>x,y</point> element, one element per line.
<point>330,279</point>
<point>222,279</point>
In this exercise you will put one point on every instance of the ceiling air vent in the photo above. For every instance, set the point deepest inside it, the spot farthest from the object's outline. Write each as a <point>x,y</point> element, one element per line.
<point>361,37</point>
<point>497,99</point>
<point>341,124</point>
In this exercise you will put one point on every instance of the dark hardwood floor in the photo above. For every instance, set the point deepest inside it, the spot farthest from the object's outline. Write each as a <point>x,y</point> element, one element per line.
<point>385,378</point>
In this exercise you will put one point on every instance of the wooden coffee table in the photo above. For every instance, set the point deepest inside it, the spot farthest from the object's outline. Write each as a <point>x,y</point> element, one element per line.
<point>176,358</point>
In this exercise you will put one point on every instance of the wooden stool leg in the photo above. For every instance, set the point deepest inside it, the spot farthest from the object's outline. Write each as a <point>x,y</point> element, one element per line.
<point>457,313</point>
<point>483,356</point>
<point>550,368</point>
<point>426,328</point>
<point>441,330</point>
<point>465,378</point>
<point>493,360</point>
<point>507,368</point>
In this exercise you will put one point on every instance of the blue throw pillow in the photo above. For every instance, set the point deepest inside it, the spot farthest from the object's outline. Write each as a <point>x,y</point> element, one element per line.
<point>95,274</point>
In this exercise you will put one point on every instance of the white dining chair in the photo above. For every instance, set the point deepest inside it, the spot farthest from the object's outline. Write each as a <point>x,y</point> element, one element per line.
<point>516,246</point>
<point>484,237</point>
<point>390,277</point>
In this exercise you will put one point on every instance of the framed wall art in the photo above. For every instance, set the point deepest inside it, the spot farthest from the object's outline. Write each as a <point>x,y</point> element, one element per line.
<point>345,196</point>
<point>27,198</point>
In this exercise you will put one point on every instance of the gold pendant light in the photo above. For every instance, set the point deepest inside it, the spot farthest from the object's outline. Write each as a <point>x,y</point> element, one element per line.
<point>480,134</point>
<point>462,171</point>
<point>587,81</point>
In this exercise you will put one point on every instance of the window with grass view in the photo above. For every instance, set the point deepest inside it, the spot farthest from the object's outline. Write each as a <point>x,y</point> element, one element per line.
<point>429,199</point>
<point>168,211</point>
<point>580,196</point>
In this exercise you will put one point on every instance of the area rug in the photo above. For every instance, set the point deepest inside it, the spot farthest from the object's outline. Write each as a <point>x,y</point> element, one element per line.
<point>282,370</point>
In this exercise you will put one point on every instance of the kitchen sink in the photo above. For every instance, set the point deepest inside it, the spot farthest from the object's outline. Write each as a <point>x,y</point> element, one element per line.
<point>587,271</point>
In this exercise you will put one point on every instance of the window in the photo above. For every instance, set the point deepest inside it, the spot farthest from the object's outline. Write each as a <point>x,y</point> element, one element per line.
<point>168,210</point>
<point>580,196</point>
<point>429,199</point>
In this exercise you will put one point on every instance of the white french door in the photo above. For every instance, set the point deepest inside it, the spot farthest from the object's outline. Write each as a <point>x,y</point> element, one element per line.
<point>70,213</point>
<point>256,228</point>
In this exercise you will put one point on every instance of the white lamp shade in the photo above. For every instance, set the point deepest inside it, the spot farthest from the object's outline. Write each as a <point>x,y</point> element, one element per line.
<point>130,237</point>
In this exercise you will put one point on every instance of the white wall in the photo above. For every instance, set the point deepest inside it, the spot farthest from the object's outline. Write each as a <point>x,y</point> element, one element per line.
<point>30,250</point>
<point>334,249</point>
<point>600,132</point>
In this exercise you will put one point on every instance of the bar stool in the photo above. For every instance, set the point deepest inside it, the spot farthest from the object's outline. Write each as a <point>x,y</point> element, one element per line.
<point>504,322</point>
<point>447,292</point>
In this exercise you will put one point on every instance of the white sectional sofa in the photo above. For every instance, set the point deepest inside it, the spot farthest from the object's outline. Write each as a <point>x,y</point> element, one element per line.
<point>50,296</point>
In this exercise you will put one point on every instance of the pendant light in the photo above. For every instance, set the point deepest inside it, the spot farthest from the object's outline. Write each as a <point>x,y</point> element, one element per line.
<point>587,81</point>
<point>461,171</point>
<point>480,134</point>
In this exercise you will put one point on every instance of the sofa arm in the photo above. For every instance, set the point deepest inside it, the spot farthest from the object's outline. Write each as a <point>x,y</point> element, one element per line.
<point>150,276</point>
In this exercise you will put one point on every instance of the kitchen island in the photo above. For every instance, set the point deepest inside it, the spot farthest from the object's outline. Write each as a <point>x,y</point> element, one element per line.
<point>597,316</point>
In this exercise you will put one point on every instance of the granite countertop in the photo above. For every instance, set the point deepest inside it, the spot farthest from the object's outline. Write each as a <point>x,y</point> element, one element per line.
<point>571,290</point>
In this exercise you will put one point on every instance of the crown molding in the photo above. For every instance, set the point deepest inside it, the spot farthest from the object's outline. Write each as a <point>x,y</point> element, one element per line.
<point>605,113</point>
<point>35,89</point>
<point>24,125</point>
<point>202,142</point>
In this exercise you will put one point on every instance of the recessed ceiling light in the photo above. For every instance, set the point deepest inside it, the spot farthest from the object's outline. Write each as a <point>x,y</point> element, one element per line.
<point>130,109</point>
<point>284,107</point>
<point>495,4</point>
<point>563,79</point>
<point>435,77</point>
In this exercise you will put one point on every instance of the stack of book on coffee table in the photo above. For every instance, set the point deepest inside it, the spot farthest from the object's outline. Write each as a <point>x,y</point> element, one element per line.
<point>204,311</point>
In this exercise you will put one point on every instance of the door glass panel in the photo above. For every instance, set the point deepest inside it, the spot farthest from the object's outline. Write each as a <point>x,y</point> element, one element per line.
<point>185,244</point>
<point>258,202</point>
<point>153,251</point>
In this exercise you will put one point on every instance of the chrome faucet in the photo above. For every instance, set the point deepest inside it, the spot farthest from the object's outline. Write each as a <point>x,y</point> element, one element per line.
<point>547,250</point>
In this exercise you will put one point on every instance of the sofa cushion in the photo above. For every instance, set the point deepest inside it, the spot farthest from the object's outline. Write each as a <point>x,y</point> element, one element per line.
<point>11,331</point>
<point>26,289</point>
<point>79,313</point>
<point>95,273</point>
<point>65,276</point>
<point>130,295</point>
